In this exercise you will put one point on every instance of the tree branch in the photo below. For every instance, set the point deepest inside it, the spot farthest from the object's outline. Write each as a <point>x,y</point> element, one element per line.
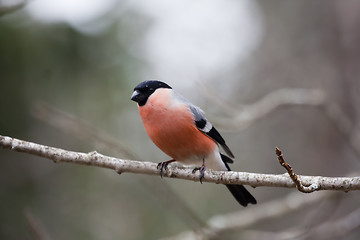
<point>122,165</point>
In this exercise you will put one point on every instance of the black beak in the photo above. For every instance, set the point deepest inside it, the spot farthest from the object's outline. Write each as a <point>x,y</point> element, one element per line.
<point>136,96</point>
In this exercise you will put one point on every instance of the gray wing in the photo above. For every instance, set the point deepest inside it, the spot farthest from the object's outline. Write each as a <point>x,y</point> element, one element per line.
<point>208,129</point>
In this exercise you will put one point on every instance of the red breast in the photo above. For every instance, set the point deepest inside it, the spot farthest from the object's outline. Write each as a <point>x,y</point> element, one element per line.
<point>170,125</point>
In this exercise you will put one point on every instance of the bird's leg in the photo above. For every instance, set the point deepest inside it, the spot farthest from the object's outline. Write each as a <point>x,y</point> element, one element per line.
<point>163,165</point>
<point>201,170</point>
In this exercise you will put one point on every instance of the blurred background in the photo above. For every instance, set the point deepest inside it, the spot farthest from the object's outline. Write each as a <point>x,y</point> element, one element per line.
<point>279,73</point>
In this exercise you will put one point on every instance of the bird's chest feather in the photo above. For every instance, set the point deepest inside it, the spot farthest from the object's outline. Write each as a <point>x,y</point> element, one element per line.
<point>166,124</point>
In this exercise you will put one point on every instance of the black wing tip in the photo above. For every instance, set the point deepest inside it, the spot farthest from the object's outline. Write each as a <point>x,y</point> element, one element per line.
<point>242,195</point>
<point>226,159</point>
<point>212,133</point>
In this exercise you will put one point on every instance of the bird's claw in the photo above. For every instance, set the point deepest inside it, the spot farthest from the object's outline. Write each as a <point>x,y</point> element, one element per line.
<point>201,170</point>
<point>163,165</point>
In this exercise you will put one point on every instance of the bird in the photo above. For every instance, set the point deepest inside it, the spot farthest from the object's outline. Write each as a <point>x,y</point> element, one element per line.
<point>181,130</point>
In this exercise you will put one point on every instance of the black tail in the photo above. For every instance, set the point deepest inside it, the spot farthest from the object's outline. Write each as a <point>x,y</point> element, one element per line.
<point>238,191</point>
<point>241,194</point>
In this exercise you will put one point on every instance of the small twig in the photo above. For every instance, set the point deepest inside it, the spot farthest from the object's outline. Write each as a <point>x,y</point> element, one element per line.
<point>305,189</point>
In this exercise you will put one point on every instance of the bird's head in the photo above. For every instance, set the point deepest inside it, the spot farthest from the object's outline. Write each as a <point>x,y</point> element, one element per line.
<point>144,89</point>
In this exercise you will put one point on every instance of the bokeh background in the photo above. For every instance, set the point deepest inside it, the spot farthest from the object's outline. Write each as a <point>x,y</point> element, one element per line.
<point>67,70</point>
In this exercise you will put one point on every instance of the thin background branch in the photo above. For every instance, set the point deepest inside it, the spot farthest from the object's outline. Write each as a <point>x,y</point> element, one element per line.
<point>36,227</point>
<point>6,9</point>
<point>248,114</point>
<point>83,130</point>
<point>237,221</point>
<point>334,229</point>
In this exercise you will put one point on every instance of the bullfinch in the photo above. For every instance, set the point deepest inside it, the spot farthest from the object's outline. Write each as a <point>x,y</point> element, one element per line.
<point>181,130</point>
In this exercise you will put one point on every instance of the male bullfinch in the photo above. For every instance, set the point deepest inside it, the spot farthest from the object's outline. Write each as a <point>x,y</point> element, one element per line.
<point>181,130</point>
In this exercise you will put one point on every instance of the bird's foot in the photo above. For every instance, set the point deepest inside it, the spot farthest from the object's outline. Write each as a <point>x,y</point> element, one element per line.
<point>163,165</point>
<point>201,170</point>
